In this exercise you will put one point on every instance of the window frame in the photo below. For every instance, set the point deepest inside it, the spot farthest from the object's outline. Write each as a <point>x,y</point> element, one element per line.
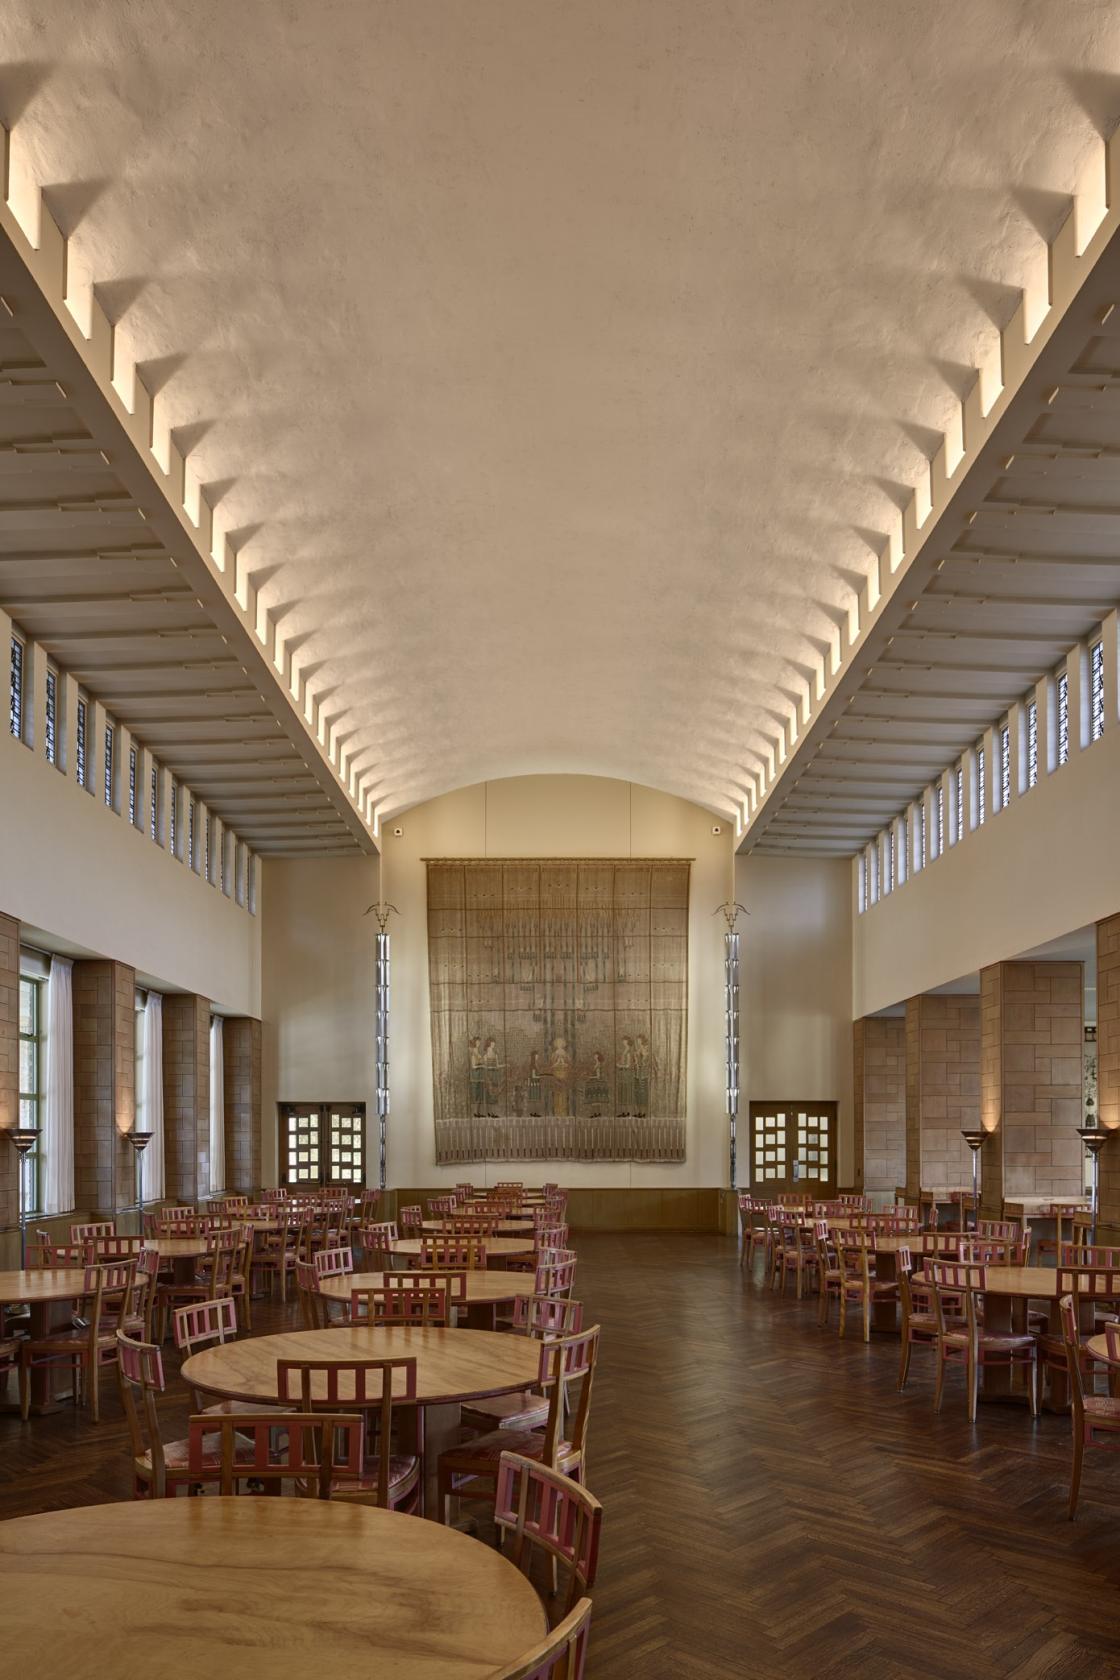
<point>317,1118</point>
<point>1096,690</point>
<point>30,1166</point>
<point>17,688</point>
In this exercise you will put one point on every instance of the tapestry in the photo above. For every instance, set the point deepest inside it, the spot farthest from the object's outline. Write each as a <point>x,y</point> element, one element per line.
<point>559,1005</point>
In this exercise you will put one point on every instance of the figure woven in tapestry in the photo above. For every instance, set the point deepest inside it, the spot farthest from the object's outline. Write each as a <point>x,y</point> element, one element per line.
<point>559,1004</point>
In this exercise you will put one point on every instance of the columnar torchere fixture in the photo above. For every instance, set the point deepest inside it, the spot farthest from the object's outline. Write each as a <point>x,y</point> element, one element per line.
<point>1094,1138</point>
<point>139,1142</point>
<point>24,1139</point>
<point>381,978</point>
<point>975,1141</point>
<point>730,912</point>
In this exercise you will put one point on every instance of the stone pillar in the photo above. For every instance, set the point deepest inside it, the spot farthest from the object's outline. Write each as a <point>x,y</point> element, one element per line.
<point>1108,1072</point>
<point>9,1071</point>
<point>942,1089</point>
<point>241,1050</point>
<point>879,1067</point>
<point>104,1085</point>
<point>1031,1081</point>
<point>186,1096</point>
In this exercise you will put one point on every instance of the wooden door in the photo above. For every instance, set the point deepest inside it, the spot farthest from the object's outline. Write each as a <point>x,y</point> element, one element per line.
<point>322,1143</point>
<point>793,1148</point>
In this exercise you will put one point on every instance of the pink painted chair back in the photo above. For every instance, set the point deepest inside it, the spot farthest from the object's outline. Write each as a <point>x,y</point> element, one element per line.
<point>113,1248</point>
<point>543,1315</point>
<point>539,1511</point>
<point>446,1253</point>
<point>46,1254</point>
<point>410,1218</point>
<point>565,1361</point>
<point>440,1206</point>
<point>274,1196</point>
<point>561,1655</point>
<point>975,1252</point>
<point>470,1225</point>
<point>1089,1283</point>
<point>313,1305</point>
<point>90,1233</point>
<point>371,1386</point>
<point>140,1365</point>
<point>334,1262</point>
<point>999,1230</point>
<point>168,1214</point>
<point>312,1449</point>
<point>555,1279</point>
<point>202,1323</point>
<point>1089,1254</point>
<point>401,1301</point>
<point>551,1236</point>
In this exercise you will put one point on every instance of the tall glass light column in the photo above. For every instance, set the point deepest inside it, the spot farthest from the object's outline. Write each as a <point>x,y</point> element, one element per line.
<point>381,981</point>
<point>731,1033</point>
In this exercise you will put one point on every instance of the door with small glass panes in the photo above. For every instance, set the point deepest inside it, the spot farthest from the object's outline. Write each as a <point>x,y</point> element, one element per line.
<point>793,1148</point>
<point>322,1143</point>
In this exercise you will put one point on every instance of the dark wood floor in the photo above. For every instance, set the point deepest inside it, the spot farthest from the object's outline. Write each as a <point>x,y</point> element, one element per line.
<point>774,1510</point>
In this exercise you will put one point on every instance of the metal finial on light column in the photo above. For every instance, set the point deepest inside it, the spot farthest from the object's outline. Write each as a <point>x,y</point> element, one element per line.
<point>975,1141</point>
<point>24,1140</point>
<point>1094,1138</point>
<point>139,1142</point>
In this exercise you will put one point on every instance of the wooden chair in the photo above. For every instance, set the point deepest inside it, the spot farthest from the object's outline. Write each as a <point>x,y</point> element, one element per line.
<point>333,1262</point>
<point>313,1450</point>
<point>389,1479</point>
<point>275,1253</point>
<point>401,1300</point>
<point>919,1316</point>
<point>562,1655</point>
<point>411,1220</point>
<point>1065,1214</point>
<point>47,1255</point>
<point>453,1253</point>
<point>159,1467</point>
<point>213,1279</point>
<point>798,1254</point>
<point>538,1512</point>
<point>106,1307</point>
<point>976,1252</point>
<point>544,1319</point>
<point>440,1207</point>
<point>376,1241</point>
<point>858,1284</point>
<point>1088,1254</point>
<point>969,1343</point>
<point>90,1233</point>
<point>828,1270</point>
<point>1000,1230</point>
<point>469,1470</point>
<point>1091,1415</point>
<point>555,1280</point>
<point>313,1305</point>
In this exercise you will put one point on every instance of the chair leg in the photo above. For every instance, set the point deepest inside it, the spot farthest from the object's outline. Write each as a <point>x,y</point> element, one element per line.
<point>904,1363</point>
<point>973,1384</point>
<point>1034,1377</point>
<point>843,1311</point>
<point>867,1316</point>
<point>95,1388</point>
<point>1075,1472</point>
<point>939,1388</point>
<point>822,1304</point>
<point>25,1389</point>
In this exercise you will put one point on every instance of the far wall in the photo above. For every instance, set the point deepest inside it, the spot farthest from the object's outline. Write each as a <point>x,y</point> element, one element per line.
<point>317,960</point>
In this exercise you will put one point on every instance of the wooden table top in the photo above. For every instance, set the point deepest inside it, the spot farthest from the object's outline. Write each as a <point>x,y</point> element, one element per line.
<point>1038,1283</point>
<point>496,1247</point>
<point>46,1284</point>
<point>258,1589</point>
<point>1097,1348</point>
<point>178,1248</point>
<point>451,1365</point>
<point>483,1287</point>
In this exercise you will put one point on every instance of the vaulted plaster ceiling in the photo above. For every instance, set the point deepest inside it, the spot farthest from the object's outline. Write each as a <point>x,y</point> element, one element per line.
<point>558,370</point>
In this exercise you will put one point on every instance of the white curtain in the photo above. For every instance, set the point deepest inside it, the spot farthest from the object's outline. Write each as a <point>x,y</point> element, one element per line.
<point>57,1141</point>
<point>149,1097</point>
<point>217,1110</point>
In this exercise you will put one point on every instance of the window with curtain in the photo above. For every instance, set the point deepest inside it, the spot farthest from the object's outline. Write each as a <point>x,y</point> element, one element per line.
<point>50,740</point>
<point>1096,691</point>
<point>981,786</point>
<point>15,690</point>
<point>1004,765</point>
<point>132,785</point>
<point>110,765</point>
<point>1062,698</point>
<point>81,768</point>
<point>940,818</point>
<point>31,1036</point>
<point>960,802</point>
<point>149,1091</point>
<point>1032,743</point>
<point>57,1147</point>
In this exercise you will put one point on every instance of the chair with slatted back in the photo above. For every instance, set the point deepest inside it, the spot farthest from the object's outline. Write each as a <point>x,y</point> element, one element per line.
<point>918,1313</point>
<point>213,1279</point>
<point>112,1248</point>
<point>440,1207</point>
<point>274,1253</point>
<point>452,1253</point>
<point>799,1255</point>
<point>47,1255</point>
<point>313,1305</point>
<point>469,1225</point>
<point>145,1283</point>
<point>541,1514</point>
<point>970,1344</point>
<point>90,1344</point>
<point>314,1451</point>
<point>376,1241</point>
<point>976,1252</point>
<point>1093,1416</point>
<point>372,1387</point>
<point>1095,1292</point>
<point>411,1220</point>
<point>1064,1214</point>
<point>543,1319</point>
<point>1091,1255</point>
<point>406,1299</point>
<point>469,1470</point>
<point>561,1655</point>
<point>159,1467</point>
<point>555,1280</point>
<point>333,1262</point>
<point>828,1269</point>
<point>859,1287</point>
<point>90,1233</point>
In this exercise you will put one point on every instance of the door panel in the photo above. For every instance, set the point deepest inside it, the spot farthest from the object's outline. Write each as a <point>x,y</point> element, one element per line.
<point>793,1148</point>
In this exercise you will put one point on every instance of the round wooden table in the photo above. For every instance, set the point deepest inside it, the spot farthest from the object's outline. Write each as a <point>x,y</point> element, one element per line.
<point>182,1253</point>
<point>1097,1348</point>
<point>258,1589</point>
<point>451,1365</point>
<point>497,1248</point>
<point>41,1289</point>
<point>485,1291</point>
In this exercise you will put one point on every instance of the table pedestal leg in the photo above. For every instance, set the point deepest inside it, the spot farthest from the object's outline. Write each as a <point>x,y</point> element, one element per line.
<point>429,1431</point>
<point>884,1314</point>
<point>1005,1315</point>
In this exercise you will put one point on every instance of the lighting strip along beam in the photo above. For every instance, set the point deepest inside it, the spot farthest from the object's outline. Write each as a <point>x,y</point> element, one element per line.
<point>125,422</point>
<point>1000,409</point>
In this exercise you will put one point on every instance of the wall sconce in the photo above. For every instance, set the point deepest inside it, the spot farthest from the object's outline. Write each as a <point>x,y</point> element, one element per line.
<point>24,1140</point>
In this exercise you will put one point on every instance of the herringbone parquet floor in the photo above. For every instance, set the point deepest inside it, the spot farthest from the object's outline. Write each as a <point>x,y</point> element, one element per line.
<point>774,1510</point>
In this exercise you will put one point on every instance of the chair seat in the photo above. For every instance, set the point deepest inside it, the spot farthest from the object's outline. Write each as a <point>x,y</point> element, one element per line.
<point>480,1456</point>
<point>230,1408</point>
<point>1054,1347</point>
<point>509,1411</point>
<point>404,1472</point>
<point>991,1340</point>
<point>67,1341</point>
<point>176,1456</point>
<point>1102,1411</point>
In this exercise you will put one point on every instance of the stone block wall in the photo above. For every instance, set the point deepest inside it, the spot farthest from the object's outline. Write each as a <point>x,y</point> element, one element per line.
<point>879,1064</point>
<point>104,1084</point>
<point>186,1096</point>
<point>241,1049</point>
